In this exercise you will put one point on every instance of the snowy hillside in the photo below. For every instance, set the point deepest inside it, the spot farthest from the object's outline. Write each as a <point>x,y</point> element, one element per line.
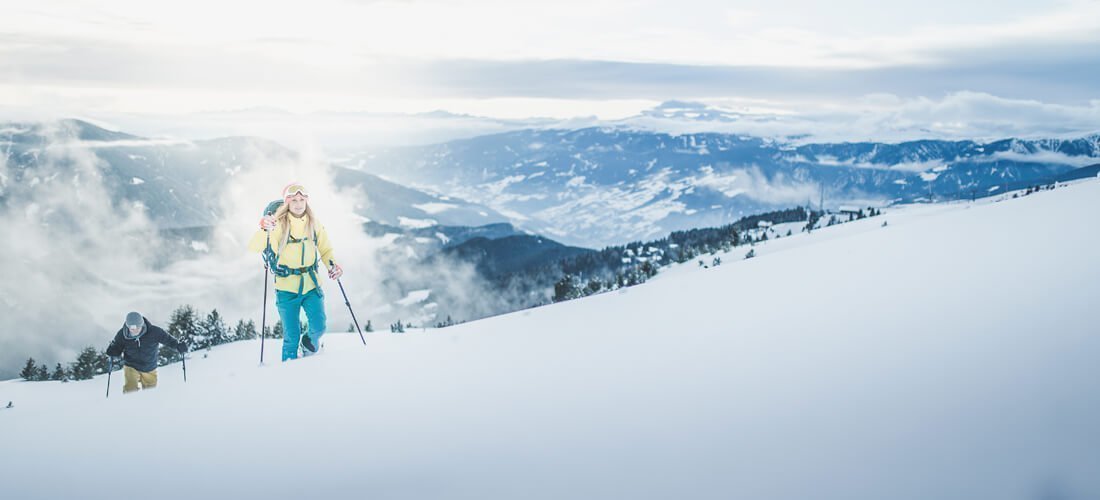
<point>950,354</point>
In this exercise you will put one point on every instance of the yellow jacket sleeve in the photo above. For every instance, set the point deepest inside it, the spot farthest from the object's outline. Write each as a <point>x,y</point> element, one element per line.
<point>324,246</point>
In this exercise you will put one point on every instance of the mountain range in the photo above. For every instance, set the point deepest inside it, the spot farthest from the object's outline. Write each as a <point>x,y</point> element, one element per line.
<point>181,183</point>
<point>589,187</point>
<point>600,186</point>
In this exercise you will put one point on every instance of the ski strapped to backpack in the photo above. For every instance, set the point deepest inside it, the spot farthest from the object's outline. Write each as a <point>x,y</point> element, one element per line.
<point>282,270</point>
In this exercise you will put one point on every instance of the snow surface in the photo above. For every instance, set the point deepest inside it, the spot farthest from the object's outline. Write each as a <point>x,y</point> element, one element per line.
<point>415,223</point>
<point>435,208</point>
<point>949,355</point>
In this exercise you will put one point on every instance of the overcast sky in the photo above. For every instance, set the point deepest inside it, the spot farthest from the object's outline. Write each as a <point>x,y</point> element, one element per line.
<point>512,59</point>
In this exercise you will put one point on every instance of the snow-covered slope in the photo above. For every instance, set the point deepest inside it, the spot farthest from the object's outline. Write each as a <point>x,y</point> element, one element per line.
<point>950,354</point>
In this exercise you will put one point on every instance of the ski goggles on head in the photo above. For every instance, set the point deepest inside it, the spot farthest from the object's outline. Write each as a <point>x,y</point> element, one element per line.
<point>294,189</point>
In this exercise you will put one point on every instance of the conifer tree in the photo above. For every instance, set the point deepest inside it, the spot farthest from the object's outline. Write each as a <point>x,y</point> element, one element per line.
<point>84,367</point>
<point>245,330</point>
<point>184,327</point>
<point>213,329</point>
<point>59,373</point>
<point>29,370</point>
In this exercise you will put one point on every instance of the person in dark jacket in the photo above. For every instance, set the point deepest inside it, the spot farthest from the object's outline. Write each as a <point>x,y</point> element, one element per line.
<point>138,345</point>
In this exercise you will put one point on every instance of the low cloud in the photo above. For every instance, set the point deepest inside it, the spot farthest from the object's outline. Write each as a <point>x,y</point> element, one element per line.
<point>777,190</point>
<point>1047,157</point>
<point>77,255</point>
<point>83,258</point>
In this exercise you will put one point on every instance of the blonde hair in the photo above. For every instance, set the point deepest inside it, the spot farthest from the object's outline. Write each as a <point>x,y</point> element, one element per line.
<point>282,219</point>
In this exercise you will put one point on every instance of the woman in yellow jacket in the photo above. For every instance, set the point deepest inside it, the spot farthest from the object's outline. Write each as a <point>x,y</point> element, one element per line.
<point>294,244</point>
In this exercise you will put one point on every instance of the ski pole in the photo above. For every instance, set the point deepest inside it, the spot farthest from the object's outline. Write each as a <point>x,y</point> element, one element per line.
<point>347,303</point>
<point>110,368</point>
<point>184,358</point>
<point>263,320</point>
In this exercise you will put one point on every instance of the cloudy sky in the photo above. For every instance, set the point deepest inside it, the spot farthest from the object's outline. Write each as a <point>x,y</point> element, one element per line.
<point>516,59</point>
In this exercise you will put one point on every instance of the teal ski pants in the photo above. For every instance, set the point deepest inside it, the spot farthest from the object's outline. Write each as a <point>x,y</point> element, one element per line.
<point>290,306</point>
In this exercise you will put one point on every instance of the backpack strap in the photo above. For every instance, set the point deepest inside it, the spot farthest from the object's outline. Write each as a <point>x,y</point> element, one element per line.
<point>281,270</point>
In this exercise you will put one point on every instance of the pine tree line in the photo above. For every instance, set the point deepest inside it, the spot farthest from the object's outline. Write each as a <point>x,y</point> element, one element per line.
<point>89,363</point>
<point>620,266</point>
<point>627,265</point>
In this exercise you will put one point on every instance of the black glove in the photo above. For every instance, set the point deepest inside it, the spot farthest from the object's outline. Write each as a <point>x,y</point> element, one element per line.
<point>182,348</point>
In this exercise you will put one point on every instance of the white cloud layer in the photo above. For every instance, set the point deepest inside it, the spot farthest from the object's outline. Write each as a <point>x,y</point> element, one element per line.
<point>131,56</point>
<point>889,118</point>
